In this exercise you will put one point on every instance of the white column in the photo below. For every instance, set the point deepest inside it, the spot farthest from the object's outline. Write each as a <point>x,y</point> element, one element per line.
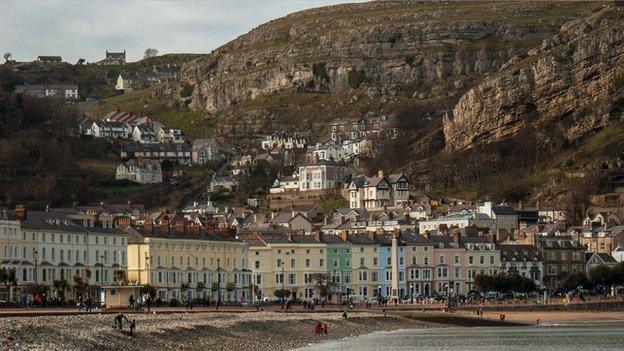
<point>394,260</point>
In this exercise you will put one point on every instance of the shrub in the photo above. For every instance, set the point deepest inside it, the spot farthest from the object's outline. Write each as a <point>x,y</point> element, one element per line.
<point>356,78</point>
<point>320,72</point>
<point>186,91</point>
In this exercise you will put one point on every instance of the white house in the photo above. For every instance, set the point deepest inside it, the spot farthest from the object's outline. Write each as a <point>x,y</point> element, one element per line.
<point>142,171</point>
<point>106,129</point>
<point>143,133</point>
<point>320,176</point>
<point>64,91</point>
<point>372,193</point>
<point>270,142</point>
<point>328,151</point>
<point>54,246</point>
<point>285,184</point>
<point>460,220</point>
<point>166,135</point>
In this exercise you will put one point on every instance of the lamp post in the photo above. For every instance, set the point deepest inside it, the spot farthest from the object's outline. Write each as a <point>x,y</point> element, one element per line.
<point>218,282</point>
<point>412,294</point>
<point>36,254</point>
<point>469,277</point>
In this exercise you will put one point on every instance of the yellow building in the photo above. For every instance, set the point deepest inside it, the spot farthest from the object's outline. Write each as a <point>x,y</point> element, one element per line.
<point>366,266</point>
<point>286,262</point>
<point>184,262</point>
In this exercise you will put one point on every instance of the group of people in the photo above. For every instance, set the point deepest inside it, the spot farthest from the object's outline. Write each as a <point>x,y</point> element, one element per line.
<point>119,323</point>
<point>86,304</point>
<point>138,302</point>
<point>320,328</point>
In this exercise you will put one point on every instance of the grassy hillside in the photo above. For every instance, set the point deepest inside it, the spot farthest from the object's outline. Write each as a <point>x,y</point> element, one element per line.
<point>142,102</point>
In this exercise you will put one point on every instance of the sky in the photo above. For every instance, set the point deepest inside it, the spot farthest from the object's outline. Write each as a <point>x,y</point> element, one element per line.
<point>86,29</point>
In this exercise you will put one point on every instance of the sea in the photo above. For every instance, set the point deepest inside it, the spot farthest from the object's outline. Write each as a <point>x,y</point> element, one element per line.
<point>594,337</point>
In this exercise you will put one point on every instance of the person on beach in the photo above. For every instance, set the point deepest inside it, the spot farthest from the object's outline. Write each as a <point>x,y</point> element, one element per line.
<point>324,328</point>
<point>148,302</point>
<point>383,311</point>
<point>119,321</point>
<point>344,315</point>
<point>132,327</point>
<point>317,328</point>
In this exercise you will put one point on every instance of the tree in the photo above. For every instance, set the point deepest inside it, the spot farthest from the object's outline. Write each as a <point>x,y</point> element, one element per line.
<point>7,56</point>
<point>282,293</point>
<point>120,276</point>
<point>79,286</point>
<point>150,53</point>
<point>483,282</point>
<point>323,285</point>
<point>8,278</point>
<point>60,285</point>
<point>148,290</point>
<point>574,280</point>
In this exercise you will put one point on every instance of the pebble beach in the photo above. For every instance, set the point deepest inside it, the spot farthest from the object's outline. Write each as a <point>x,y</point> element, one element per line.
<point>175,331</point>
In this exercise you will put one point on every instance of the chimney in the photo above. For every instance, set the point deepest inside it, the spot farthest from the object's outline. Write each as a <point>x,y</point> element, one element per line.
<point>427,235</point>
<point>319,236</point>
<point>164,224</point>
<point>344,234</point>
<point>380,173</point>
<point>148,225</point>
<point>396,233</point>
<point>20,212</point>
<point>456,237</point>
<point>290,237</point>
<point>180,225</point>
<point>194,229</point>
<point>371,235</point>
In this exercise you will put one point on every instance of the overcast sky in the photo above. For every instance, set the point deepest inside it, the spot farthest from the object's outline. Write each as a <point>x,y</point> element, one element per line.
<point>86,29</point>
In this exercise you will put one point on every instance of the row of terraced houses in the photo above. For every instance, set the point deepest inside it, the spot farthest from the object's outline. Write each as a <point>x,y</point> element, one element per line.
<point>184,256</point>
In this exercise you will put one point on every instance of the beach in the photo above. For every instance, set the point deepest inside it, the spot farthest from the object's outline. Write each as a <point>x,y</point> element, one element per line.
<point>174,331</point>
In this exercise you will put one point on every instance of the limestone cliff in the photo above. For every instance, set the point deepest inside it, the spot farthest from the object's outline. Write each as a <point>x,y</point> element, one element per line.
<point>383,50</point>
<point>568,87</point>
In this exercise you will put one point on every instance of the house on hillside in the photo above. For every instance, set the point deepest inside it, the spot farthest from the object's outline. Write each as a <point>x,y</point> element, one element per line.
<point>204,150</point>
<point>49,59</point>
<point>378,192</point>
<point>63,91</point>
<point>166,135</point>
<point>321,175</point>
<point>105,129</point>
<point>223,183</point>
<point>113,58</point>
<point>143,133</point>
<point>142,171</point>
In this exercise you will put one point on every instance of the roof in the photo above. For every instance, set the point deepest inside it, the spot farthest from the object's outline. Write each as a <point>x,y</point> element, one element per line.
<point>172,233</point>
<point>504,211</point>
<point>519,252</point>
<point>53,221</point>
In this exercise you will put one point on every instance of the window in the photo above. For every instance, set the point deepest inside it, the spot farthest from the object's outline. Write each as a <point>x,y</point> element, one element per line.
<point>491,259</point>
<point>441,259</point>
<point>426,261</point>
<point>279,278</point>
<point>375,261</point>
<point>292,278</point>
<point>457,272</point>
<point>442,272</point>
<point>257,264</point>
<point>413,260</point>
<point>362,262</point>
<point>426,274</point>
<point>335,262</point>
<point>292,263</point>
<point>321,262</point>
<point>363,275</point>
<point>481,259</point>
<point>470,260</point>
<point>456,259</point>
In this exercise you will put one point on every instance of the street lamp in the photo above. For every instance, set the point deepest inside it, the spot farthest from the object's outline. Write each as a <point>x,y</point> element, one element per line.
<point>412,294</point>
<point>36,256</point>
<point>469,277</point>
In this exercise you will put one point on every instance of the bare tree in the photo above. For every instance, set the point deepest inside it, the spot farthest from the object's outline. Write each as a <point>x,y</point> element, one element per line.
<point>7,56</point>
<point>150,53</point>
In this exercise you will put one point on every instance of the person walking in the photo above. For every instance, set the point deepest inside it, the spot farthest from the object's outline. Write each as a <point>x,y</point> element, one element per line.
<point>89,305</point>
<point>148,302</point>
<point>324,328</point>
<point>384,311</point>
<point>131,301</point>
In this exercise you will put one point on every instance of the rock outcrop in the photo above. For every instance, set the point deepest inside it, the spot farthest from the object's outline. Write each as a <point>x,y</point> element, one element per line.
<point>416,49</point>
<point>569,86</point>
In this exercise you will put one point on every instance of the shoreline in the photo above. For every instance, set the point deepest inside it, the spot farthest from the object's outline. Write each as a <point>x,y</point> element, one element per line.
<point>223,331</point>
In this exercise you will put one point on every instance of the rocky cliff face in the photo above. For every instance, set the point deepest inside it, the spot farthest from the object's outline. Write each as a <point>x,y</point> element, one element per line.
<point>569,86</point>
<point>382,49</point>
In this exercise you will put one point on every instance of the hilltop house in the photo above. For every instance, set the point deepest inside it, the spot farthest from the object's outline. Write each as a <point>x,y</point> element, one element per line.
<point>372,193</point>
<point>142,171</point>
<point>113,58</point>
<point>180,153</point>
<point>365,127</point>
<point>47,59</point>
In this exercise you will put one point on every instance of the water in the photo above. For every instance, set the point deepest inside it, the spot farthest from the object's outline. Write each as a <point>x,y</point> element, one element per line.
<point>542,338</point>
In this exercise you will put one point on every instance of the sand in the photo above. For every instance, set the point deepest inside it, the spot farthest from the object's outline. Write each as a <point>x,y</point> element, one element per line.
<point>207,331</point>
